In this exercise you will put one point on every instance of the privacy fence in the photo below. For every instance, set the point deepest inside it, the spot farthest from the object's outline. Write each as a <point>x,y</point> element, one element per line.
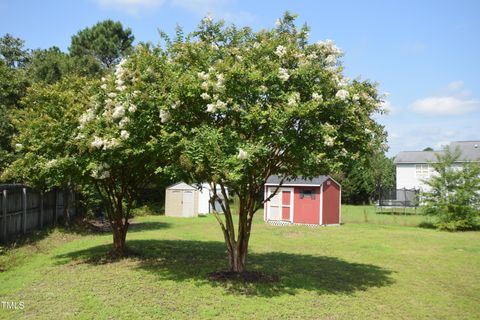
<point>24,209</point>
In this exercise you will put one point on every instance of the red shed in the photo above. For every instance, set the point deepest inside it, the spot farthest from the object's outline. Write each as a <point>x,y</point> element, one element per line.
<point>301,201</point>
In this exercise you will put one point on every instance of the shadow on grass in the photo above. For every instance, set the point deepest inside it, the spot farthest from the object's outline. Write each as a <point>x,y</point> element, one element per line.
<point>147,226</point>
<point>182,260</point>
<point>427,225</point>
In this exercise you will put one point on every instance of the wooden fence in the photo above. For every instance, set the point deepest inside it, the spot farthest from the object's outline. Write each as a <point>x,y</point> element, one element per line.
<point>23,209</point>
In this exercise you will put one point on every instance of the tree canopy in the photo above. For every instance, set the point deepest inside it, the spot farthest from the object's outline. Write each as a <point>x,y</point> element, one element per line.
<point>107,41</point>
<point>244,105</point>
<point>362,182</point>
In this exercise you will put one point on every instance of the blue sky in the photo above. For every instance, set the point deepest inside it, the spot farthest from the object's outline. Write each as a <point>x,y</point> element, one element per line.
<point>425,54</point>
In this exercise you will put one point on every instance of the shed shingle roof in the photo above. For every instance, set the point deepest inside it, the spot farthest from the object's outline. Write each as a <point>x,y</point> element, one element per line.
<point>317,181</point>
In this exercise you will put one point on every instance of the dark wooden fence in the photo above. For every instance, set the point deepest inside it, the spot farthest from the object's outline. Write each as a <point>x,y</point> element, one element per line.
<point>23,209</point>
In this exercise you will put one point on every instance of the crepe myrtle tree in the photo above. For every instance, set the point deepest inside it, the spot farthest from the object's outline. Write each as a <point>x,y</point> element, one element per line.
<point>115,137</point>
<point>46,156</point>
<point>245,105</point>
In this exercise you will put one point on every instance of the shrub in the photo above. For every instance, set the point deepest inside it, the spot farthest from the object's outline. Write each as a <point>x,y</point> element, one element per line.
<point>453,195</point>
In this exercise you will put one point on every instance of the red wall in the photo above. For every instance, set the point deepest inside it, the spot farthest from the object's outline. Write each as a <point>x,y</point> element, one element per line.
<point>306,210</point>
<point>331,203</point>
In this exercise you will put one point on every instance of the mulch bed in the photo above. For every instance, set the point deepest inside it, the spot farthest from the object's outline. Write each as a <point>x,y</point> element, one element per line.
<point>245,277</point>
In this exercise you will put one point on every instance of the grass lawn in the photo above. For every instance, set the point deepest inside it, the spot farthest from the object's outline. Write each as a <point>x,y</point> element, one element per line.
<point>356,271</point>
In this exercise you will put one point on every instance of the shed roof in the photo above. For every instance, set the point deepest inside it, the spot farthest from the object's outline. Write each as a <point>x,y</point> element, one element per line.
<point>181,186</point>
<point>316,181</point>
<point>470,151</point>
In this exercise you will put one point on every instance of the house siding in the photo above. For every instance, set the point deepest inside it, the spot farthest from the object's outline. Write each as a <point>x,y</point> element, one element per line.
<point>406,177</point>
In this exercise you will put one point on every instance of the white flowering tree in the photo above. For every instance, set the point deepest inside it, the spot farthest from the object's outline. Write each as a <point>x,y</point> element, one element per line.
<point>120,138</point>
<point>245,105</point>
<point>101,134</point>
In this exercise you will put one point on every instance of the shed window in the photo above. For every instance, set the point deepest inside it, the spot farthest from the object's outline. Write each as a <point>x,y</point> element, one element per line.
<point>307,193</point>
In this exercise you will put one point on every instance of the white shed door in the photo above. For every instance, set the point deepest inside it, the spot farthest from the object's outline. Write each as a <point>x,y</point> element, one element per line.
<point>187,203</point>
<point>275,205</point>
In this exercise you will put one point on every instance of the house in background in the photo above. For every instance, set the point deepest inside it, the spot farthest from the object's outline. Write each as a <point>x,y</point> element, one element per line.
<point>185,200</point>
<point>412,167</point>
<point>302,201</point>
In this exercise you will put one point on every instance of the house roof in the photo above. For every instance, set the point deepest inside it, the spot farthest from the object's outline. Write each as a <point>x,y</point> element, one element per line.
<point>470,151</point>
<point>317,181</point>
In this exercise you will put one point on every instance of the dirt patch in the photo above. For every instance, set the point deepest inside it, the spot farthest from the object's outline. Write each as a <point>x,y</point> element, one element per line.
<point>95,225</point>
<point>245,277</point>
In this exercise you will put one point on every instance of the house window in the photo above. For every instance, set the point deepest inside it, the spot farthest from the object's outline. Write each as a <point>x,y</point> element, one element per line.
<point>307,193</point>
<point>423,171</point>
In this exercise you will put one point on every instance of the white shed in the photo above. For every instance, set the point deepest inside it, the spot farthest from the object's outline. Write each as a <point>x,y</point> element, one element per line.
<point>184,200</point>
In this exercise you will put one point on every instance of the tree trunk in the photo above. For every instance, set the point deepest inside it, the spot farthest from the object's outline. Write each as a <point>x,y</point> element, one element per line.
<point>238,259</point>
<point>238,253</point>
<point>119,235</point>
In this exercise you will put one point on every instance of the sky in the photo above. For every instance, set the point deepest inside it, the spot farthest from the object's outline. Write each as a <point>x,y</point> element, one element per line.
<point>423,54</point>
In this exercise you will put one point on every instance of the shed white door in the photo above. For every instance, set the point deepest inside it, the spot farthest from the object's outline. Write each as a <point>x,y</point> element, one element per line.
<point>187,204</point>
<point>275,205</point>
<point>280,206</point>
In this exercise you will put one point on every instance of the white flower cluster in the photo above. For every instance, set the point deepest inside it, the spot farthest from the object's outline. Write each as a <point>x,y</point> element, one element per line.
<point>312,56</point>
<point>281,51</point>
<point>51,163</point>
<point>114,110</point>
<point>342,82</point>
<point>118,112</point>
<point>331,60</point>
<point>317,97</point>
<point>104,144</point>
<point>329,141</point>
<point>208,18</point>
<point>217,85</point>
<point>219,104</point>
<point>88,116</point>
<point>293,99</point>
<point>342,94</point>
<point>119,70</point>
<point>124,134</point>
<point>164,116</point>
<point>242,154</point>
<point>329,47</point>
<point>355,98</point>
<point>220,82</point>
<point>101,171</point>
<point>283,74</point>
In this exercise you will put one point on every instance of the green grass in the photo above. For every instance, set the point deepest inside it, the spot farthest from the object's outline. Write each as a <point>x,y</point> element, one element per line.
<point>355,271</point>
<point>396,216</point>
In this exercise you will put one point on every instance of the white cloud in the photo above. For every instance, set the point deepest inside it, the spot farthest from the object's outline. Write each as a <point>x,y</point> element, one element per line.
<point>455,101</point>
<point>445,106</point>
<point>455,85</point>
<point>132,6</point>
